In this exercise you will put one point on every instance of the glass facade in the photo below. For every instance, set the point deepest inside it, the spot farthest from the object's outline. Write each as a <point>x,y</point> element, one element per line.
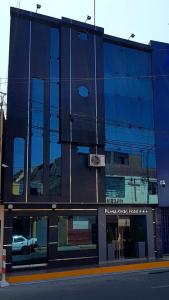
<point>77,233</point>
<point>18,167</point>
<point>29,240</point>
<point>36,178</point>
<point>55,147</point>
<point>129,128</point>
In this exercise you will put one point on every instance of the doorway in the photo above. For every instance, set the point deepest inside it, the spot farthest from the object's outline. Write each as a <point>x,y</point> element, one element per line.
<point>126,237</point>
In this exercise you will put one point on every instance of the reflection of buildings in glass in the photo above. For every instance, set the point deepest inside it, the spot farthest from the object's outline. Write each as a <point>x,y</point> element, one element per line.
<point>55,176</point>
<point>18,183</point>
<point>127,180</point>
<point>78,232</point>
<point>36,185</point>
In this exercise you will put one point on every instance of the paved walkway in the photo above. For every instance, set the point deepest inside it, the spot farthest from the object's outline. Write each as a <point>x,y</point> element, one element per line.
<point>86,272</point>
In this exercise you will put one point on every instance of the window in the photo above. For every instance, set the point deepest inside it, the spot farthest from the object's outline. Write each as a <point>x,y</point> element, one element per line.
<point>83,149</point>
<point>29,240</point>
<point>108,157</point>
<point>18,167</point>
<point>36,180</point>
<point>83,91</point>
<point>77,233</point>
<point>83,36</point>
<point>121,158</point>
<point>20,239</point>
<point>55,147</point>
<point>152,188</point>
<point>115,187</point>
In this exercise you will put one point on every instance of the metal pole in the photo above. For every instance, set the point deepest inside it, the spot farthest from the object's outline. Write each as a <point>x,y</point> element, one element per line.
<point>94,12</point>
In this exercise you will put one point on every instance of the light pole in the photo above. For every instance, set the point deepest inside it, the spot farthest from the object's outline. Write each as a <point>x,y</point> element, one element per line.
<point>94,12</point>
<point>2,95</point>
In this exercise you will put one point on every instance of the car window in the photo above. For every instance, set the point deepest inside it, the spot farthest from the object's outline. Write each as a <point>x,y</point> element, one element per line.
<point>19,239</point>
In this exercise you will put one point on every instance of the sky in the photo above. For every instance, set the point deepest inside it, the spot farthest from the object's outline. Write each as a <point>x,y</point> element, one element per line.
<point>147,19</point>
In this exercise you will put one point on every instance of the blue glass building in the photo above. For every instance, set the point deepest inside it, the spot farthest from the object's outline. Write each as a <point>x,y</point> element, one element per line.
<point>86,145</point>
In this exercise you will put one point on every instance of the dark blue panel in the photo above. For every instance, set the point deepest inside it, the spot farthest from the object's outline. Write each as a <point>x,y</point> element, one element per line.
<point>160,70</point>
<point>83,74</point>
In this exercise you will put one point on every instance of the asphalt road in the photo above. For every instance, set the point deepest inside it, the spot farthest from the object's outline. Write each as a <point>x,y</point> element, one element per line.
<point>142,285</point>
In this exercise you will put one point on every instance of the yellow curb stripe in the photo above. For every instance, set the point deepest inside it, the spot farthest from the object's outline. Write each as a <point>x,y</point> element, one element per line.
<point>83,272</point>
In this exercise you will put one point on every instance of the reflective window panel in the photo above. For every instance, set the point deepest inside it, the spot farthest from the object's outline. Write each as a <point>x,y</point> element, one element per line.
<point>18,167</point>
<point>55,147</point>
<point>77,233</point>
<point>129,125</point>
<point>29,240</point>
<point>36,178</point>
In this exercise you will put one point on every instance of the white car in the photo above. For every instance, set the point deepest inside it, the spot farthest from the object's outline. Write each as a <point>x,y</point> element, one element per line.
<point>21,244</point>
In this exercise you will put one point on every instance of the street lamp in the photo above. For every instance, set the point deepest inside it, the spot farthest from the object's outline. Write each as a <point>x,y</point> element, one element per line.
<point>132,35</point>
<point>88,18</point>
<point>38,6</point>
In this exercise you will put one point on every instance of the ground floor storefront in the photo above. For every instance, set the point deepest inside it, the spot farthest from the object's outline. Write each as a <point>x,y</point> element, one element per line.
<point>54,236</point>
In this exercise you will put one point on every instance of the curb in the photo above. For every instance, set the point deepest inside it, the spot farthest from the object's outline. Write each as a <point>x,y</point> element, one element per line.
<point>84,272</point>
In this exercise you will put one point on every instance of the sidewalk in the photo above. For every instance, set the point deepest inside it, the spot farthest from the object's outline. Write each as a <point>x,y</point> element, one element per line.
<point>84,272</point>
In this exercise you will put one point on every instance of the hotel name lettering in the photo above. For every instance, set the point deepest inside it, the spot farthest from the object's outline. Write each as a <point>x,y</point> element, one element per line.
<point>125,211</point>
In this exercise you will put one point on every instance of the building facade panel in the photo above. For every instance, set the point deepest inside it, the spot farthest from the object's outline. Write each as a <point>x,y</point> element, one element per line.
<point>129,129</point>
<point>160,69</point>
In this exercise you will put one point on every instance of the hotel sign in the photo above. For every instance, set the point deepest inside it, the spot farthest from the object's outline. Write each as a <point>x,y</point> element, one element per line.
<point>126,211</point>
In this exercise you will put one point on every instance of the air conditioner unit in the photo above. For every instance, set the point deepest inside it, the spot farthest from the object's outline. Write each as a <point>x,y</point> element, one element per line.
<point>96,160</point>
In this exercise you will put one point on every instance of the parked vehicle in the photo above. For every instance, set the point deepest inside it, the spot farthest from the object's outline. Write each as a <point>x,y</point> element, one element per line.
<point>22,244</point>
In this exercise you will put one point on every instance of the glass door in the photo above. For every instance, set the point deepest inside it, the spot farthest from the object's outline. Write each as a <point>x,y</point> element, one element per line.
<point>112,237</point>
<point>126,237</point>
<point>123,235</point>
<point>118,235</point>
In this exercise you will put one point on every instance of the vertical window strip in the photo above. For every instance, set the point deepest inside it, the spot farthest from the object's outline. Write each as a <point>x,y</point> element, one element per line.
<point>55,147</point>
<point>18,167</point>
<point>36,180</point>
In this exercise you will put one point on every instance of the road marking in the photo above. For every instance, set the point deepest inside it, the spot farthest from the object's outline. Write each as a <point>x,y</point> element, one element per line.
<point>160,287</point>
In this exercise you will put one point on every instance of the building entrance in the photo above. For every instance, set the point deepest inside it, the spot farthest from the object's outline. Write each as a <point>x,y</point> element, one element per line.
<point>126,237</point>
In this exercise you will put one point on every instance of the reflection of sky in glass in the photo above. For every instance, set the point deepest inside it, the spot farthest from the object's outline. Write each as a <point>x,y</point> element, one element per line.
<point>55,148</point>
<point>36,183</point>
<point>128,102</point>
<point>37,122</point>
<point>18,155</point>
<point>18,166</point>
